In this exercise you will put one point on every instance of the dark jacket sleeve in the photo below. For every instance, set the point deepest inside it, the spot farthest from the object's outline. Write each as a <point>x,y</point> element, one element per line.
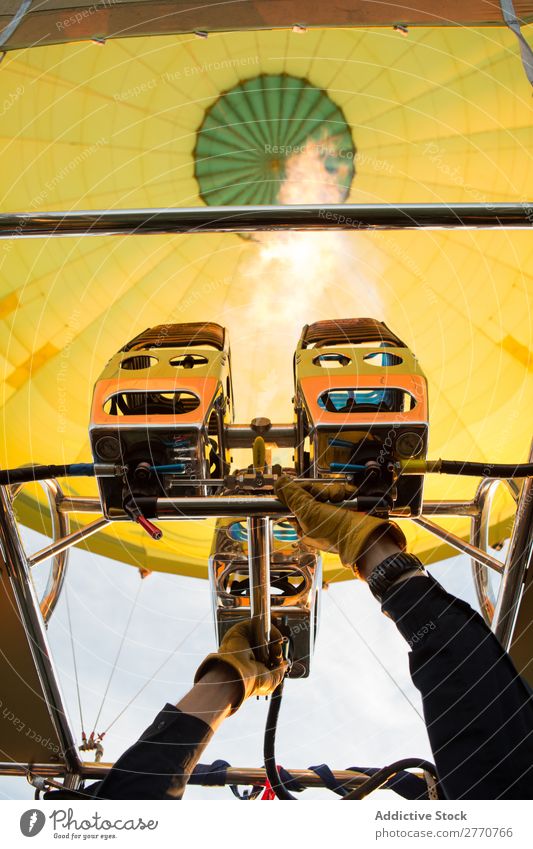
<point>477,708</point>
<point>159,764</point>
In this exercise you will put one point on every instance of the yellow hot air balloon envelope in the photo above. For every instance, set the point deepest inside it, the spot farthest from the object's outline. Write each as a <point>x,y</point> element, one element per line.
<point>362,115</point>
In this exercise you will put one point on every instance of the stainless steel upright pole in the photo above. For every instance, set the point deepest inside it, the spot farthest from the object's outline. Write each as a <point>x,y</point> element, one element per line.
<point>259,571</point>
<point>17,569</point>
<point>518,556</point>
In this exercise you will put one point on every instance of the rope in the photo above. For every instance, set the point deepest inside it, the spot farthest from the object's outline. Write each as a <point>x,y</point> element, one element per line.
<point>159,668</point>
<point>513,22</point>
<point>74,657</point>
<point>373,653</point>
<point>10,28</point>
<point>113,668</point>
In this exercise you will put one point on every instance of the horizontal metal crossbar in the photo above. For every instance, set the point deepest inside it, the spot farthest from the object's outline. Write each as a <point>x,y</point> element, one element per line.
<point>245,776</point>
<point>238,219</point>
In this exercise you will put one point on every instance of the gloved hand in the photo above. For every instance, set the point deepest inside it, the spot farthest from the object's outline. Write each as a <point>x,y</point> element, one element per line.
<point>334,492</point>
<point>331,528</point>
<point>236,651</point>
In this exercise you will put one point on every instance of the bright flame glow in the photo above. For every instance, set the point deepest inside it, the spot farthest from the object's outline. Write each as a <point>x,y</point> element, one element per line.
<point>297,278</point>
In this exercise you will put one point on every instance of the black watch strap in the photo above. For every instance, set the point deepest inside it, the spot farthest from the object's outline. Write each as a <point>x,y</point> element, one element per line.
<point>387,572</point>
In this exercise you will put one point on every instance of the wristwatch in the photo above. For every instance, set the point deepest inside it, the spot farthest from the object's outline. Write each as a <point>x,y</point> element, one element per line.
<point>389,570</point>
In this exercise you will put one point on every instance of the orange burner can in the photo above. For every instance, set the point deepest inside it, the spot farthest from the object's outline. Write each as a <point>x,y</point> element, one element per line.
<point>361,405</point>
<point>160,409</point>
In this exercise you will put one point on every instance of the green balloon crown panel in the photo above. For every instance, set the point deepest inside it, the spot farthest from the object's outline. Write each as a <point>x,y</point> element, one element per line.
<point>252,130</point>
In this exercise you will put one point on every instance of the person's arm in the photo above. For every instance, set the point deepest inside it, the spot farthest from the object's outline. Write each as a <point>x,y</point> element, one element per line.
<point>213,697</point>
<point>478,711</point>
<point>160,763</point>
<point>361,541</point>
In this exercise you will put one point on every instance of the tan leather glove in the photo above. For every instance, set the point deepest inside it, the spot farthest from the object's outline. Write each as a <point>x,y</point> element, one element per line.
<point>331,528</point>
<point>236,651</point>
<point>333,492</point>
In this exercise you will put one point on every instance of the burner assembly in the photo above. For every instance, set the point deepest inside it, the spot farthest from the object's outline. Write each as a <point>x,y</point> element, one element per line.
<point>162,426</point>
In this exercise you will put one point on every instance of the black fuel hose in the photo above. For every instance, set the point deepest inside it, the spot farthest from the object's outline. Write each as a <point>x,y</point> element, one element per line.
<point>373,783</point>
<point>382,776</point>
<point>26,474</point>
<point>269,749</point>
<point>486,470</point>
